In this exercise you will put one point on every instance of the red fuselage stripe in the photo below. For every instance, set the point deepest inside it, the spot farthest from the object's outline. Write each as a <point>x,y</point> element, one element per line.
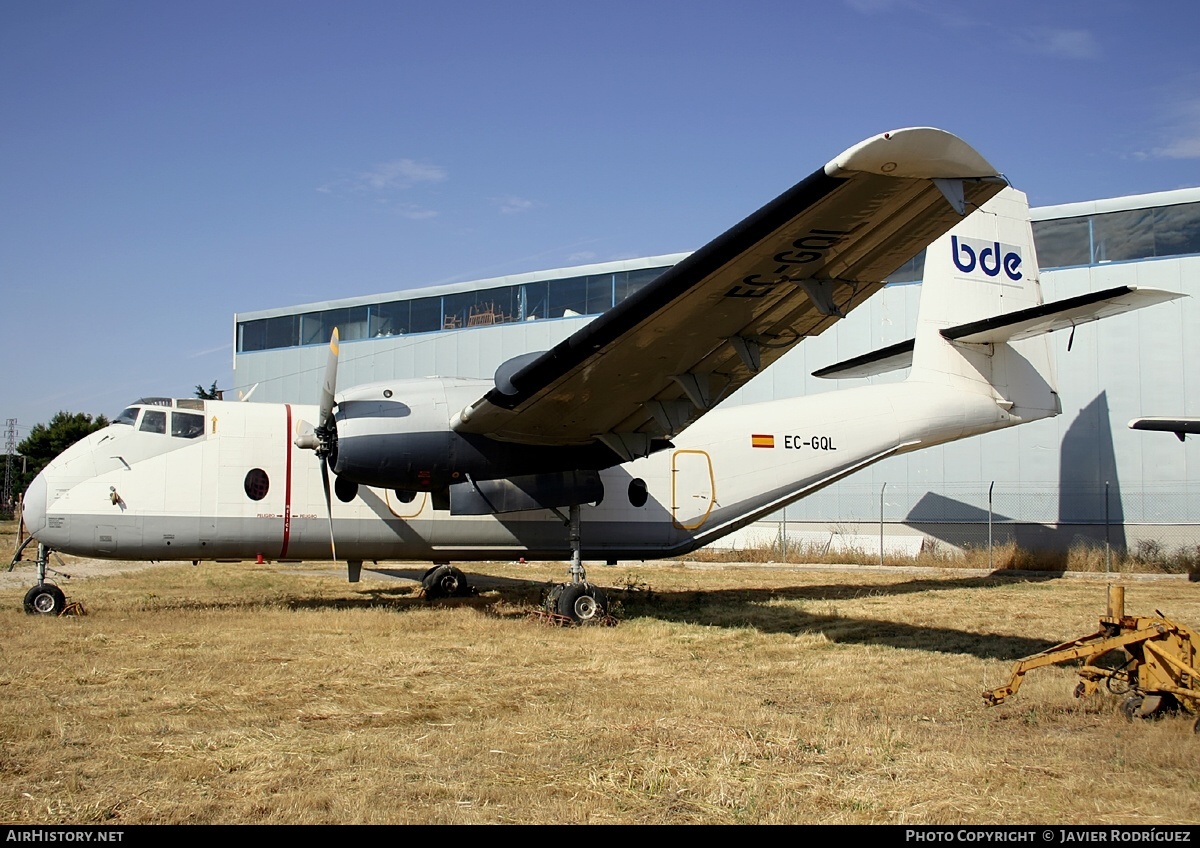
<point>287,489</point>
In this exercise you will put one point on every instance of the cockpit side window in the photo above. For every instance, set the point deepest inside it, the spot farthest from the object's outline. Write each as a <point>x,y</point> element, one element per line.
<point>154,421</point>
<point>185,425</point>
<point>128,416</point>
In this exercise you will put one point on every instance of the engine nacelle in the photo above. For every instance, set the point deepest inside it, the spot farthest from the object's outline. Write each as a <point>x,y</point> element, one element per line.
<point>397,435</point>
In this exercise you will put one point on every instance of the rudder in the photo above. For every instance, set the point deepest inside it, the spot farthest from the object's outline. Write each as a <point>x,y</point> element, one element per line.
<point>986,266</point>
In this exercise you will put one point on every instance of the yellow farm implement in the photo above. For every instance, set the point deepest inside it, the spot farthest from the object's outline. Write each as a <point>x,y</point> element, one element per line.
<point>1153,661</point>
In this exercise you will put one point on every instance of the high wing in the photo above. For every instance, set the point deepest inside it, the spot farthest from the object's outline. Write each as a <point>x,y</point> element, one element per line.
<point>647,368</point>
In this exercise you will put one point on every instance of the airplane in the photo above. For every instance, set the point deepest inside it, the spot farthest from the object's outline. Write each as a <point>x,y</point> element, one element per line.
<point>620,424</point>
<point>1180,426</point>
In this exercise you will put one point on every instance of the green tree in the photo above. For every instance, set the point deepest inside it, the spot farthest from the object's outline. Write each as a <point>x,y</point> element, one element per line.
<point>46,441</point>
<point>211,393</point>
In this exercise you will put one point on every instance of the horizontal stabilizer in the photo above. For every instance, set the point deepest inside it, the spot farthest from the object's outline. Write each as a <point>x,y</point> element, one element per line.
<point>1009,327</point>
<point>890,358</point>
<point>1059,315</point>
<point>1179,426</point>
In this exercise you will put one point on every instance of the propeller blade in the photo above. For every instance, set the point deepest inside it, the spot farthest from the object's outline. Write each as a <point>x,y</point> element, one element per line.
<point>329,385</point>
<point>328,506</point>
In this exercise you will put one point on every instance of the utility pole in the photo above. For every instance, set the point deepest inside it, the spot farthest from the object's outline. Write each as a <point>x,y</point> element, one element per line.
<point>10,450</point>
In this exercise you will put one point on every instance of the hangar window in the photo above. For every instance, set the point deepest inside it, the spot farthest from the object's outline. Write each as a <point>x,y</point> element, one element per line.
<point>911,271</point>
<point>555,298</point>
<point>599,293</point>
<point>1063,242</point>
<point>568,297</point>
<point>426,315</point>
<point>154,421</point>
<point>632,281</point>
<point>269,333</point>
<point>389,319</point>
<point>186,425</point>
<point>257,484</point>
<point>1177,229</point>
<point>1118,236</point>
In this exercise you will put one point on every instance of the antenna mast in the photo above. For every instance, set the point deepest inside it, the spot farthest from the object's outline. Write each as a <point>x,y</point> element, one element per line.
<point>10,450</point>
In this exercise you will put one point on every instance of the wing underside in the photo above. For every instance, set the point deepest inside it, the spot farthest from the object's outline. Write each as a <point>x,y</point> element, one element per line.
<point>650,366</point>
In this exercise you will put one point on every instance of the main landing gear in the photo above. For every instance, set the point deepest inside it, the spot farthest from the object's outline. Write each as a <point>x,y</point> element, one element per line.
<point>44,598</point>
<point>576,601</point>
<point>445,581</point>
<point>580,601</point>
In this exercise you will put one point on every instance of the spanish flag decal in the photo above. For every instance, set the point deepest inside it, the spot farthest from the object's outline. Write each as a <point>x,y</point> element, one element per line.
<point>760,441</point>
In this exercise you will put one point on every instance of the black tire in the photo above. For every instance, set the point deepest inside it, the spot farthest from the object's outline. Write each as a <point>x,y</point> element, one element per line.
<point>1131,707</point>
<point>45,599</point>
<point>445,581</point>
<point>550,600</point>
<point>583,603</point>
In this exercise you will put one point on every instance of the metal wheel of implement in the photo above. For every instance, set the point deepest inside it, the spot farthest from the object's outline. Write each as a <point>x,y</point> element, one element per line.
<point>45,599</point>
<point>1131,707</point>
<point>583,603</point>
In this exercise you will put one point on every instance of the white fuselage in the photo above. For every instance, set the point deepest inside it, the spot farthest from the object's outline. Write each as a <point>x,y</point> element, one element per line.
<point>242,488</point>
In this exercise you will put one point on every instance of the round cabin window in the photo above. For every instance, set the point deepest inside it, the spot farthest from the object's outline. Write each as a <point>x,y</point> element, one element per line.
<point>257,484</point>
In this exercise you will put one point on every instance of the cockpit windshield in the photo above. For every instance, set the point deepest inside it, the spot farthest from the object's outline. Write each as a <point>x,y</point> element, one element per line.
<point>184,425</point>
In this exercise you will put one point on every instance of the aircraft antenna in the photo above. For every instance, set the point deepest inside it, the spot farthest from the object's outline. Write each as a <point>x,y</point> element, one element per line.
<point>10,449</point>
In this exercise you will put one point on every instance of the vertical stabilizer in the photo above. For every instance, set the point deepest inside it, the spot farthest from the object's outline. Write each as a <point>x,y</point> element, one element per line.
<point>986,266</point>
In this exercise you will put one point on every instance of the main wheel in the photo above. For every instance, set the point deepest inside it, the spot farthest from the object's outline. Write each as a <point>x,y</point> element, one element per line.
<point>45,599</point>
<point>583,603</point>
<point>445,581</point>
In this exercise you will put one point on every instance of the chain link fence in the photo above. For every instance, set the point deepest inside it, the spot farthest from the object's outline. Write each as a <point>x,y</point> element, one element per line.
<point>1154,523</point>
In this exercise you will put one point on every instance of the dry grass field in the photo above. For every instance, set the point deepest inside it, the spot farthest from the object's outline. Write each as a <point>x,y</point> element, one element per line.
<point>230,693</point>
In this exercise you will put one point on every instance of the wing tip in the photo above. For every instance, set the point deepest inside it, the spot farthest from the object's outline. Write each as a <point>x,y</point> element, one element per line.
<point>914,152</point>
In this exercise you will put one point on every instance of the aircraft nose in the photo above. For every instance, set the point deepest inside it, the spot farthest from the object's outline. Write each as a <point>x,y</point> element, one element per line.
<point>33,507</point>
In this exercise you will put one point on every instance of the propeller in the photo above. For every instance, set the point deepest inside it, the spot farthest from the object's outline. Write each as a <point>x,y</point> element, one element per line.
<point>322,439</point>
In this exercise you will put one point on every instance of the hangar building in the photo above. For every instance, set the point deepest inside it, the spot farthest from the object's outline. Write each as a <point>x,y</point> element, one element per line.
<point>1082,477</point>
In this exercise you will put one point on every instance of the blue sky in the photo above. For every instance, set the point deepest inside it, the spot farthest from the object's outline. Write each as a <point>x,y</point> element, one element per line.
<point>164,165</point>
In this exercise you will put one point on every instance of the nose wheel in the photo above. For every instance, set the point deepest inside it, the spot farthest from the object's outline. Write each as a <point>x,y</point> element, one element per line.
<point>45,599</point>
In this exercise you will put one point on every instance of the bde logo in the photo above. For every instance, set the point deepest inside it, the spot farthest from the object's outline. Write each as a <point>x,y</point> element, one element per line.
<point>990,257</point>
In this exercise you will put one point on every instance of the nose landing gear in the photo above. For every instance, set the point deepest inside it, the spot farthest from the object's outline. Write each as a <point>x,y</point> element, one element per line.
<point>44,598</point>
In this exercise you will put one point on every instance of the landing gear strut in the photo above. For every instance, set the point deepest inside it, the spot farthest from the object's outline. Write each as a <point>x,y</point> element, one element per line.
<point>44,598</point>
<point>579,600</point>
